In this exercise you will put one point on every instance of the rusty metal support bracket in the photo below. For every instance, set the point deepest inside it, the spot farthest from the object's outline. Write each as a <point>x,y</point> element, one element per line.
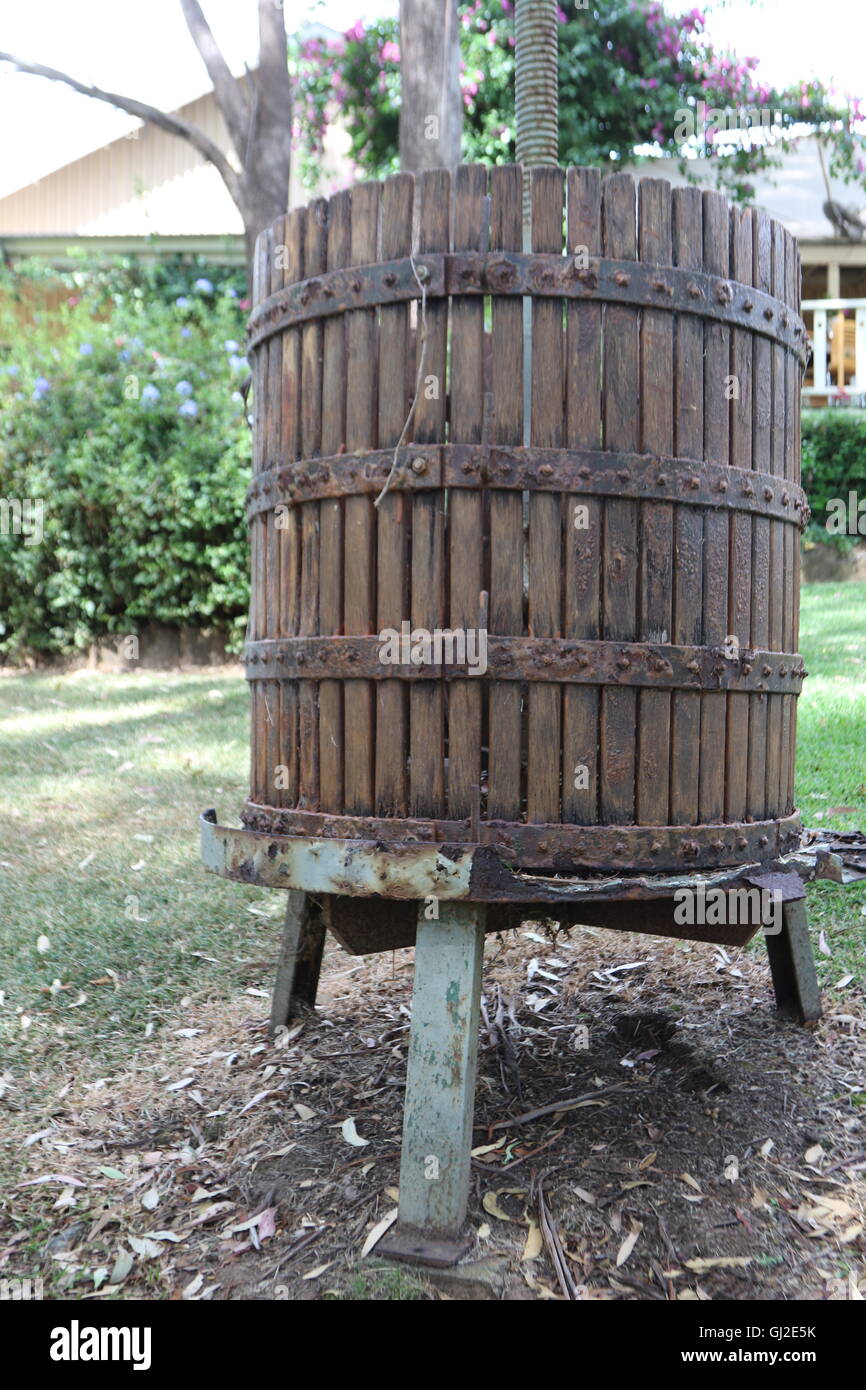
<point>300,958</point>
<point>792,965</point>
<point>440,1088</point>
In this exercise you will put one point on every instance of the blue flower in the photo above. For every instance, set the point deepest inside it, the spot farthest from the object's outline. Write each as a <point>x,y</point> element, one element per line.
<point>13,369</point>
<point>230,345</point>
<point>186,332</point>
<point>188,408</point>
<point>124,354</point>
<point>182,302</point>
<point>40,387</point>
<point>236,363</point>
<point>204,285</point>
<point>86,349</point>
<point>184,388</point>
<point>150,393</point>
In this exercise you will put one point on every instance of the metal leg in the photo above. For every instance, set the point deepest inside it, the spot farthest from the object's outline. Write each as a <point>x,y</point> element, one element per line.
<point>793,967</point>
<point>440,1088</point>
<point>300,957</point>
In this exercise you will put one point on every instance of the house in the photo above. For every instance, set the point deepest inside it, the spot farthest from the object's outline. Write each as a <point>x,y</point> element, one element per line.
<point>147,192</point>
<point>834,266</point>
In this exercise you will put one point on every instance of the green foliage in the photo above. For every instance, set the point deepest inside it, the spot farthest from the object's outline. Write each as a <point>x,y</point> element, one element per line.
<point>121,413</point>
<point>833,465</point>
<point>632,74</point>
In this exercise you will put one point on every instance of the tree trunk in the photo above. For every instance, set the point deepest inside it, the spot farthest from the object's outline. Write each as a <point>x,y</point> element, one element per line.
<point>257,111</point>
<point>431,115</point>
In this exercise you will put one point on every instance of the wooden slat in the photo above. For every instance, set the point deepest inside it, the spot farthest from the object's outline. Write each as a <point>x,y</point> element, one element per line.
<point>656,548</point>
<point>426,700</point>
<point>465,551</point>
<point>331,742</point>
<point>717,367</point>
<point>358,572</point>
<point>506,508</point>
<point>791,540</point>
<point>392,592</point>
<point>796,423</point>
<point>272,690</point>
<point>761,420</point>
<point>258,745</point>
<point>289,521</point>
<point>777,532</point>
<point>545,510</point>
<point>315,251</point>
<point>688,521</point>
<point>580,707</point>
<point>619,553</point>
<point>740,573</point>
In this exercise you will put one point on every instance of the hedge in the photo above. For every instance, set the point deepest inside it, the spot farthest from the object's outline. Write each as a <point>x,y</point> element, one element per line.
<point>834,465</point>
<point>123,417</point>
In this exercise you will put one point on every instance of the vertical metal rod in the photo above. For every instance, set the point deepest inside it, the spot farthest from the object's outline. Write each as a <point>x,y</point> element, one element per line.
<point>440,1086</point>
<point>536,101</point>
<point>536,96</point>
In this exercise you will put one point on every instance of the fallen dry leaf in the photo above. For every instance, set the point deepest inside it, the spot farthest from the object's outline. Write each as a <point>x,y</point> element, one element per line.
<point>629,1244</point>
<point>351,1135</point>
<point>722,1262</point>
<point>378,1231</point>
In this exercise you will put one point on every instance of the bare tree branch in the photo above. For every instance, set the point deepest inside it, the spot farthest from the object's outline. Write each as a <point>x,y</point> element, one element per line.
<point>229,97</point>
<point>171,123</point>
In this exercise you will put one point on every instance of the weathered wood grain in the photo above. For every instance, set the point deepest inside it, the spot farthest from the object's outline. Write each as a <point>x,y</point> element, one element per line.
<point>465,520</point>
<point>656,521</point>
<point>688,521</point>
<point>506,508</point>
<point>618,736</point>
<point>545,510</point>
<point>358,566</point>
<point>583,515</point>
<point>717,368</point>
<point>392,521</point>
<point>427,699</point>
<point>331,544</point>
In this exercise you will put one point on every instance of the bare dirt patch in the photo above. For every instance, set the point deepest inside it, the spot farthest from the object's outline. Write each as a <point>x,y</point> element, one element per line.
<point>716,1153</point>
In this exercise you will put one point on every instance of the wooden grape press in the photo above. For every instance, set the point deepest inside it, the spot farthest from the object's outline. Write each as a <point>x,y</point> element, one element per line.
<point>622,534</point>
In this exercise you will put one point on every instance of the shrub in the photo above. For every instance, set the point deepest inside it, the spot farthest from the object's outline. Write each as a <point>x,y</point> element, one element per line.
<point>121,411</point>
<point>833,464</point>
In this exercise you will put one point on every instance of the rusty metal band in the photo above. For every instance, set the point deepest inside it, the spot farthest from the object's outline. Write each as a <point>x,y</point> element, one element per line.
<point>411,871</point>
<point>563,848</point>
<point>630,664</point>
<point>594,472</point>
<point>631,283</point>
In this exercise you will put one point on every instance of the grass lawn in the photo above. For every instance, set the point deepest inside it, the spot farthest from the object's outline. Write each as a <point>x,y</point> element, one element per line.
<point>831,758</point>
<point>107,919</point>
<point>102,779</point>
